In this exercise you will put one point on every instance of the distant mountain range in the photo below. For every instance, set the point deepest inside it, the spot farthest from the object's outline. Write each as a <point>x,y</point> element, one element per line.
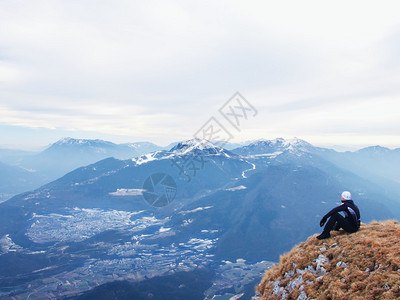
<point>60,158</point>
<point>230,210</point>
<point>377,164</point>
<point>374,163</point>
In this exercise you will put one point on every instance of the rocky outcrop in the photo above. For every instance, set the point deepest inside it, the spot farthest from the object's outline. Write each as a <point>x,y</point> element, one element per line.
<point>362,265</point>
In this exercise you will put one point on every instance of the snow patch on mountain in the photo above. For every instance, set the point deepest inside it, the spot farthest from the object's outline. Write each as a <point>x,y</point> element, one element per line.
<point>197,145</point>
<point>270,155</point>
<point>195,210</point>
<point>236,188</point>
<point>127,192</point>
<point>162,229</point>
<point>8,245</point>
<point>143,159</point>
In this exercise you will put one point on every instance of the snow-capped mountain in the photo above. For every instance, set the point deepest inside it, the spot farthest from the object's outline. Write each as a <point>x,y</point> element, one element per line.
<point>186,150</point>
<point>198,146</point>
<point>277,146</point>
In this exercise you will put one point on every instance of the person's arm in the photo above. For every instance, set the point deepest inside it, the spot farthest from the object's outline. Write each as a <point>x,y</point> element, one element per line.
<point>331,212</point>
<point>341,207</point>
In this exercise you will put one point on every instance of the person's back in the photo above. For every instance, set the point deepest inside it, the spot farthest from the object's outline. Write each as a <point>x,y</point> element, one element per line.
<point>350,222</point>
<point>352,213</point>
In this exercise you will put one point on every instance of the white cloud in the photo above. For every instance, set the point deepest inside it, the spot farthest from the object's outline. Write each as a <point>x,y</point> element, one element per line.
<point>160,69</point>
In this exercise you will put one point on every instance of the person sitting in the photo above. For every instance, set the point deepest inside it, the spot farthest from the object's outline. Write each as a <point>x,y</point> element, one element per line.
<point>350,222</point>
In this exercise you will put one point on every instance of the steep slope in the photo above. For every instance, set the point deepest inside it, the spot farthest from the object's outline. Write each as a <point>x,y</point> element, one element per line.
<point>171,287</point>
<point>264,215</point>
<point>363,265</point>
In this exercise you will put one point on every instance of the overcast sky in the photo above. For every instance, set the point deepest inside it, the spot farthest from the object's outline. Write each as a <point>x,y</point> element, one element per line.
<point>129,71</point>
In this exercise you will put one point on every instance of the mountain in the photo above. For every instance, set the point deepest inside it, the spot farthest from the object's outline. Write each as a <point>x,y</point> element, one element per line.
<point>377,164</point>
<point>97,211</point>
<point>13,157</point>
<point>379,160</point>
<point>276,146</point>
<point>68,154</point>
<point>362,265</point>
<point>198,147</point>
<point>230,146</point>
<point>15,180</point>
<point>195,206</point>
<point>144,147</point>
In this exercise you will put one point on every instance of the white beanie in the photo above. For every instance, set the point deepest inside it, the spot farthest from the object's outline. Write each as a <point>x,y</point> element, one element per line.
<point>346,195</point>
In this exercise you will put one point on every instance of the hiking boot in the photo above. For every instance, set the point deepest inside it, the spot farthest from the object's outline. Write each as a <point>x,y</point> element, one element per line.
<point>324,236</point>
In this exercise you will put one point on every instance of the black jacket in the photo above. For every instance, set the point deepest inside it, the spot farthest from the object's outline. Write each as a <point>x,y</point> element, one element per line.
<point>351,211</point>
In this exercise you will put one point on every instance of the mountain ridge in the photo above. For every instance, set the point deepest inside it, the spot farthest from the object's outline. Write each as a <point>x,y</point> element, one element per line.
<point>361,265</point>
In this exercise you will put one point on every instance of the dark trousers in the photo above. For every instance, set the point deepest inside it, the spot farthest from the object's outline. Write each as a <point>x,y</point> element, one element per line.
<point>337,221</point>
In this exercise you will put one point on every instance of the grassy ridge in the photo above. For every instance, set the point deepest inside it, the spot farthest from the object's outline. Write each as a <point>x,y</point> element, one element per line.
<point>362,265</point>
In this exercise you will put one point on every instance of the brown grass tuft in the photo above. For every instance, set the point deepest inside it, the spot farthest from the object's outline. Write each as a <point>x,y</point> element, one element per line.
<point>362,265</point>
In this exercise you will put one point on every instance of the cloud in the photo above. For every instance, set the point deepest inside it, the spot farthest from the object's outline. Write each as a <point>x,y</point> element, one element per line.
<point>158,69</point>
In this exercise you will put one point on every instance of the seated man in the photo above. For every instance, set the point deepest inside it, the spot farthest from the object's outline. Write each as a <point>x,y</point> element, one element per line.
<point>351,221</point>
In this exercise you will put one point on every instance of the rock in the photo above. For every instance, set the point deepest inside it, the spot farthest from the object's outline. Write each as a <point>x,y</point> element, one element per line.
<point>294,283</point>
<point>321,261</point>
<point>278,290</point>
<point>289,274</point>
<point>302,296</point>
<point>284,295</point>
<point>341,264</point>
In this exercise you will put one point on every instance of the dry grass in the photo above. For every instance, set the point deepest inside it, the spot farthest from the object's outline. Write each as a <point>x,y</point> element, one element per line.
<point>362,265</point>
